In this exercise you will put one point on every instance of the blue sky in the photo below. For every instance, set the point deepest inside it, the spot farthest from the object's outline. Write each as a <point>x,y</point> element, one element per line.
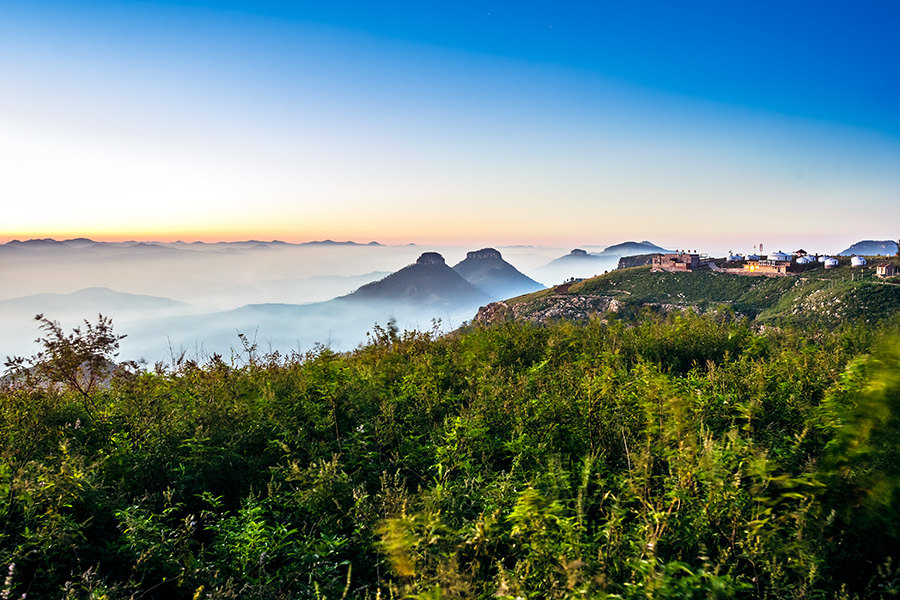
<point>518,122</point>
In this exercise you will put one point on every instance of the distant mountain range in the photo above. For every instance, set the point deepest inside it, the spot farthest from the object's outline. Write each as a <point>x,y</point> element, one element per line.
<point>79,244</point>
<point>333,243</point>
<point>50,244</point>
<point>412,296</point>
<point>629,248</point>
<point>871,248</point>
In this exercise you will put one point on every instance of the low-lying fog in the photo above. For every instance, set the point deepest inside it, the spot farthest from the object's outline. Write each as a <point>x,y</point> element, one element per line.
<point>171,298</point>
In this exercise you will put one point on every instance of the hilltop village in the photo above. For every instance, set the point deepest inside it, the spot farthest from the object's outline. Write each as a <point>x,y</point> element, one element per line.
<point>773,288</point>
<point>774,265</point>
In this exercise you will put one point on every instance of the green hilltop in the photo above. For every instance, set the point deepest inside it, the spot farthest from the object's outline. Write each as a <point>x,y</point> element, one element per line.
<point>819,295</point>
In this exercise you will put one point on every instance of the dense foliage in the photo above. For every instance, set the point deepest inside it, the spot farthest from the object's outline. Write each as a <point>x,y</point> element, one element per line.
<point>677,456</point>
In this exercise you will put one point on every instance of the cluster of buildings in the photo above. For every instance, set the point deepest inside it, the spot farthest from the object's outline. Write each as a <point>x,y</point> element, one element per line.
<point>773,264</point>
<point>678,261</point>
<point>779,263</point>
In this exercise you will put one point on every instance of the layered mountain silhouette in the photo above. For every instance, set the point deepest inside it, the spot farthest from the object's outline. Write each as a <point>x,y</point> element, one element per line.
<point>48,245</point>
<point>577,263</point>
<point>412,297</point>
<point>575,256</point>
<point>333,243</point>
<point>427,282</point>
<point>486,270</point>
<point>580,263</point>
<point>90,301</point>
<point>19,327</point>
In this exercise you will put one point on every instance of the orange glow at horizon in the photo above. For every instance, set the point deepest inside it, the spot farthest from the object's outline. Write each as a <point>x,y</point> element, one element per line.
<point>295,237</point>
<point>557,229</point>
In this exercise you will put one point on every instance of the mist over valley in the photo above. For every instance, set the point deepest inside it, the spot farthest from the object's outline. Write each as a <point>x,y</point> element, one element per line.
<point>194,298</point>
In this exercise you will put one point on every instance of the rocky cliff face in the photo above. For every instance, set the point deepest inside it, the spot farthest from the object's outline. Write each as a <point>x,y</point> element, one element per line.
<point>430,258</point>
<point>548,308</point>
<point>638,260</point>
<point>571,307</point>
<point>484,254</point>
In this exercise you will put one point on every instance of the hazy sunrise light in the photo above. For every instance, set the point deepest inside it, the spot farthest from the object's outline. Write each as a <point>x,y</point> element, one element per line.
<point>461,299</point>
<point>579,123</point>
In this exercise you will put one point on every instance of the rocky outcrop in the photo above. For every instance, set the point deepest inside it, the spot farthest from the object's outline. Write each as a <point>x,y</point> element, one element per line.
<point>430,258</point>
<point>550,308</point>
<point>637,260</point>
<point>484,254</point>
<point>571,307</point>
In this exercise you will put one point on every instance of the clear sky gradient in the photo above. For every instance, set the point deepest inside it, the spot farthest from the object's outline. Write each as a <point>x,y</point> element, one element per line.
<point>719,124</point>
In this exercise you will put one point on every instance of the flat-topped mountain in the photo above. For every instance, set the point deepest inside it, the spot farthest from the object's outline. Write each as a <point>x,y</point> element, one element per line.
<point>632,249</point>
<point>871,248</point>
<point>486,270</point>
<point>428,281</point>
<point>576,256</point>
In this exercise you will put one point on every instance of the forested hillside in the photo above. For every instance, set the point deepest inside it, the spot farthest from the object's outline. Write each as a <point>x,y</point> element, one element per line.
<point>672,456</point>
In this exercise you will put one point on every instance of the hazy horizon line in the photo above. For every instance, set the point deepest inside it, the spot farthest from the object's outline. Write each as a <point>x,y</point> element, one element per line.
<point>701,243</point>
